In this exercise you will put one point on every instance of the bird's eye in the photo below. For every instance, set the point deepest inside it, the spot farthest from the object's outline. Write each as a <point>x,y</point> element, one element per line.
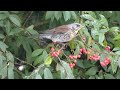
<point>78,25</point>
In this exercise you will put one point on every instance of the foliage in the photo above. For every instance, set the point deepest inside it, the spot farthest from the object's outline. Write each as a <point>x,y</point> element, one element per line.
<point>93,54</point>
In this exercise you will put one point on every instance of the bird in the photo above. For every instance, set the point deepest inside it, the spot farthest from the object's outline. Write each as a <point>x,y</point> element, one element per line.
<point>61,34</point>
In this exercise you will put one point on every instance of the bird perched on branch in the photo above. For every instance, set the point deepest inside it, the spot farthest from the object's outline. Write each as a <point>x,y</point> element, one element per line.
<point>62,33</point>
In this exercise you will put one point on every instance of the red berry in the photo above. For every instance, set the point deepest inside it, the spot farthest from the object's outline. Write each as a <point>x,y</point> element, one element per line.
<point>87,52</point>
<point>75,61</point>
<point>84,51</point>
<point>52,49</point>
<point>103,64</point>
<point>59,51</point>
<point>75,56</point>
<point>78,56</point>
<point>91,57</point>
<point>54,54</point>
<point>107,48</point>
<point>84,38</point>
<point>81,50</point>
<point>95,57</point>
<point>107,60</point>
<point>73,64</point>
<point>70,56</point>
<point>70,64</point>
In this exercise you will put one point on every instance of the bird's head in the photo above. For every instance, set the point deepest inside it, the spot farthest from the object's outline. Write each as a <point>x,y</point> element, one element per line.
<point>75,27</point>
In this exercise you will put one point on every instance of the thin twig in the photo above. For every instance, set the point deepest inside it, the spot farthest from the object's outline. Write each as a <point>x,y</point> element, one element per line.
<point>25,62</point>
<point>28,18</point>
<point>41,23</point>
<point>92,48</point>
<point>4,38</point>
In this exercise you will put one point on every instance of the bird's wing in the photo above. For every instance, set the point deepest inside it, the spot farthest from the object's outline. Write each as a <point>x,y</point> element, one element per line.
<point>58,30</point>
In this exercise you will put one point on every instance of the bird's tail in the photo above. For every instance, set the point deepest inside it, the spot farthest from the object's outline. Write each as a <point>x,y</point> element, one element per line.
<point>47,36</point>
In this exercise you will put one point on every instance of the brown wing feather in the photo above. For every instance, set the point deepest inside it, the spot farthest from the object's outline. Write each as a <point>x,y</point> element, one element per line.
<point>57,30</point>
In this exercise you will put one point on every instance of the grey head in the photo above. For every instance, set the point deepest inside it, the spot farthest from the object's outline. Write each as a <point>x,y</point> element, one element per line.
<point>75,27</point>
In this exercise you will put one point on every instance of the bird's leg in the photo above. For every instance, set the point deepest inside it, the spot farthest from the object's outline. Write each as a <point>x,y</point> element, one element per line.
<point>64,45</point>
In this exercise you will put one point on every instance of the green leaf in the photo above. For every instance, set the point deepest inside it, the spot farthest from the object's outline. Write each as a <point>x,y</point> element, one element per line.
<point>3,70</point>
<point>63,73</point>
<point>114,29</point>
<point>10,56</point>
<point>95,46</point>
<point>116,49</point>
<point>105,43</point>
<point>66,15</point>
<point>96,24</point>
<point>58,67</point>
<point>81,44</point>
<point>58,15</point>
<point>103,20</point>
<point>72,44</point>
<point>117,37</point>
<point>37,52</point>
<point>38,60</point>
<point>1,61</point>
<point>118,62</point>
<point>38,76</point>
<point>117,52</point>
<point>8,27</point>
<point>41,58</point>
<point>48,61</point>
<point>3,46</point>
<point>49,15</point>
<point>92,77</point>
<point>77,51</point>
<point>47,74</point>
<point>91,71</point>
<point>114,63</point>
<point>68,70</point>
<point>2,16</point>
<point>31,30</point>
<point>102,57</point>
<point>1,36</point>
<point>87,16</point>
<point>14,31</point>
<point>101,38</point>
<point>10,71</point>
<point>73,14</point>
<point>26,45</point>
<point>89,40</point>
<point>87,64</point>
<point>15,19</point>
<point>80,64</point>
<point>109,76</point>
<point>118,74</point>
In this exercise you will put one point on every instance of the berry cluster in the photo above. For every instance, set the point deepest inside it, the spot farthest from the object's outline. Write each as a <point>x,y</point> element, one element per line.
<point>72,65</point>
<point>74,58</point>
<point>55,53</point>
<point>105,62</point>
<point>95,57</point>
<point>83,50</point>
